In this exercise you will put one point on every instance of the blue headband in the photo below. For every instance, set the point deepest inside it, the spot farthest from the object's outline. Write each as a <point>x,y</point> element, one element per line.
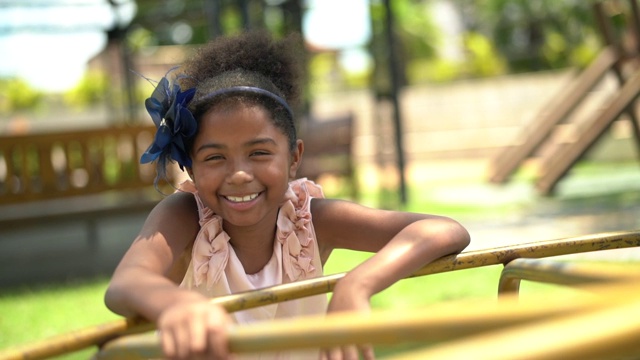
<point>250,89</point>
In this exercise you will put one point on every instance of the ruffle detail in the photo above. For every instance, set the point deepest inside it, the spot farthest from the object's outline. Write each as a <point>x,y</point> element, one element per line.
<point>294,232</point>
<point>295,229</point>
<point>205,214</point>
<point>210,253</point>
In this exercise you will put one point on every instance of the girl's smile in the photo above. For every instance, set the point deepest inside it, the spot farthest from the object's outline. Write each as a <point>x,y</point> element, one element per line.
<point>240,199</point>
<point>242,203</point>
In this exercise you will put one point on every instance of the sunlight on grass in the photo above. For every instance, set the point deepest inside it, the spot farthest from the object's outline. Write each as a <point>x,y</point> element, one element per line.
<point>35,313</point>
<point>423,290</point>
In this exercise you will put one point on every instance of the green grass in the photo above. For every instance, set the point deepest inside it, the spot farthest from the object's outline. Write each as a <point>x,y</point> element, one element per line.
<point>424,290</point>
<point>38,312</point>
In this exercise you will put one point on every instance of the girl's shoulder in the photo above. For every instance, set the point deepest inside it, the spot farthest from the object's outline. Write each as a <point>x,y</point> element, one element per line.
<point>173,221</point>
<point>180,206</point>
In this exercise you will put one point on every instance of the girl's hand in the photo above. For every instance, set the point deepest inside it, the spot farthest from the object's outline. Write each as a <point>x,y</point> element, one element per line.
<point>196,330</point>
<point>347,298</point>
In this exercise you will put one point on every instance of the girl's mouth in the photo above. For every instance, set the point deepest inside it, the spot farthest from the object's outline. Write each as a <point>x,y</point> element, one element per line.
<point>241,199</point>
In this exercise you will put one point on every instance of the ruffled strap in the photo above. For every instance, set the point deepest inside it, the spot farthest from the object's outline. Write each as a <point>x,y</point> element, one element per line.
<point>295,229</point>
<point>205,214</point>
<point>210,253</point>
<point>211,247</point>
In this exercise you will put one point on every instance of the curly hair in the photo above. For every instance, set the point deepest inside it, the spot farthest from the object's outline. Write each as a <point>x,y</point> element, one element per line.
<point>247,59</point>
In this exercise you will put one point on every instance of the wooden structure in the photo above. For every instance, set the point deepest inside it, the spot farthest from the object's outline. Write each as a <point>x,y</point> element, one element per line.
<point>57,165</point>
<point>328,150</point>
<point>83,172</point>
<point>448,323</point>
<point>557,157</point>
<point>58,192</point>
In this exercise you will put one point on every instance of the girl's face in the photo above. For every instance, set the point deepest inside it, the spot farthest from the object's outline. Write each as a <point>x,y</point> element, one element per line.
<point>242,164</point>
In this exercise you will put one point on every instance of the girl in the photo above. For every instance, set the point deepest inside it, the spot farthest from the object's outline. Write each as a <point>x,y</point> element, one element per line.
<point>242,222</point>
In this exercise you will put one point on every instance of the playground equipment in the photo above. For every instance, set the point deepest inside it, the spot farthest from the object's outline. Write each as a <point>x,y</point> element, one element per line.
<point>555,158</point>
<point>613,293</point>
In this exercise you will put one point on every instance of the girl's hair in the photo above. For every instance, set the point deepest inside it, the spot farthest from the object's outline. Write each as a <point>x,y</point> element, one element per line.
<point>250,59</point>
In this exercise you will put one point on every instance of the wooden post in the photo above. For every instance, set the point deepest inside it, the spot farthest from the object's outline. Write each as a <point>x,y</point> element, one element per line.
<point>397,113</point>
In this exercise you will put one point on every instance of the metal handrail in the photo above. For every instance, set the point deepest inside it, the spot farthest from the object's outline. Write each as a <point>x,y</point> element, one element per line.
<point>559,273</point>
<point>608,332</point>
<point>436,323</point>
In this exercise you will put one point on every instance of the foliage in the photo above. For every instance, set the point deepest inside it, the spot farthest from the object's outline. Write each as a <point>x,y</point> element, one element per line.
<point>416,29</point>
<point>139,37</point>
<point>433,70</point>
<point>482,58</point>
<point>17,95</point>
<point>535,35</point>
<point>415,35</point>
<point>90,90</point>
<point>500,36</point>
<point>322,70</point>
<point>159,18</point>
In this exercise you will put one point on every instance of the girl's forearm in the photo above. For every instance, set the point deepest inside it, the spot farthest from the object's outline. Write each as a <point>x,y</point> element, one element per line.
<point>412,248</point>
<point>138,293</point>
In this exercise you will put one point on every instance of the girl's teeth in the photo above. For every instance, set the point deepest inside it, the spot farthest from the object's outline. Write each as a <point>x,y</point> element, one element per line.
<point>242,198</point>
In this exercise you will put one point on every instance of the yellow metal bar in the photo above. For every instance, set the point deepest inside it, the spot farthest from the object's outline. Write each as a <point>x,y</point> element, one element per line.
<point>540,249</point>
<point>443,322</point>
<point>83,338</point>
<point>560,273</point>
<point>607,333</point>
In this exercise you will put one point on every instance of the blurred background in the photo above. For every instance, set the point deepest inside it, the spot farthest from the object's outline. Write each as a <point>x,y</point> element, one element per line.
<point>516,118</point>
<point>425,104</point>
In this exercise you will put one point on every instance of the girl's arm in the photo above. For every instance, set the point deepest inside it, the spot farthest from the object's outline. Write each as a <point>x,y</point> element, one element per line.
<point>403,243</point>
<point>142,284</point>
<point>145,283</point>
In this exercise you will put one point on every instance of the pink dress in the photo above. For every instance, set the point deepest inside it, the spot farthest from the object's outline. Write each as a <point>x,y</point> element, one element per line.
<point>215,270</point>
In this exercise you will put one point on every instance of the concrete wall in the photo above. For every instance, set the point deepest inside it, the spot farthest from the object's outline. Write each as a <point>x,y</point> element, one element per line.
<point>74,247</point>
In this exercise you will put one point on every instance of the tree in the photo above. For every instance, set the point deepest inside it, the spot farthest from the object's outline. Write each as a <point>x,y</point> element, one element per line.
<point>535,35</point>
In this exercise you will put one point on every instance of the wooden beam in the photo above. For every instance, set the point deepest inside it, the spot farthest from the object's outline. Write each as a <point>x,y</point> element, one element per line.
<point>559,164</point>
<point>507,161</point>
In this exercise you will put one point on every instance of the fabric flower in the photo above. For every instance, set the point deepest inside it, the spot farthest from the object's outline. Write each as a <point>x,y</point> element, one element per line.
<point>176,124</point>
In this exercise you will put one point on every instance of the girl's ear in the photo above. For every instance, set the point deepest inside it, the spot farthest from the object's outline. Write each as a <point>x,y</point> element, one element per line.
<point>190,172</point>
<point>296,159</point>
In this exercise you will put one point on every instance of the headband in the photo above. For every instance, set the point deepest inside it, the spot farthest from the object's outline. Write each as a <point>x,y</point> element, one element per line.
<point>250,89</point>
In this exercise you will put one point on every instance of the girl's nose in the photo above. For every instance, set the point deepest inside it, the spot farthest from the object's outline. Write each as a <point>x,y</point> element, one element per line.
<point>240,173</point>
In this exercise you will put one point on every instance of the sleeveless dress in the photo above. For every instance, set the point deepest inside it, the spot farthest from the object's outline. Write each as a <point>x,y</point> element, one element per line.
<point>215,270</point>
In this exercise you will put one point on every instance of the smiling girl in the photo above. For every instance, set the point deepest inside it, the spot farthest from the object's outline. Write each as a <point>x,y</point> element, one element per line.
<point>243,221</point>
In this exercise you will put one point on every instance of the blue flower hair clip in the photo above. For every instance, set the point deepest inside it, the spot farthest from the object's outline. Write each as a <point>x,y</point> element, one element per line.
<point>176,124</point>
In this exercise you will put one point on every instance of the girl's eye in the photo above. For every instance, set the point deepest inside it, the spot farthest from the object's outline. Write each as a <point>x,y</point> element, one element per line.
<point>214,157</point>
<point>259,153</point>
